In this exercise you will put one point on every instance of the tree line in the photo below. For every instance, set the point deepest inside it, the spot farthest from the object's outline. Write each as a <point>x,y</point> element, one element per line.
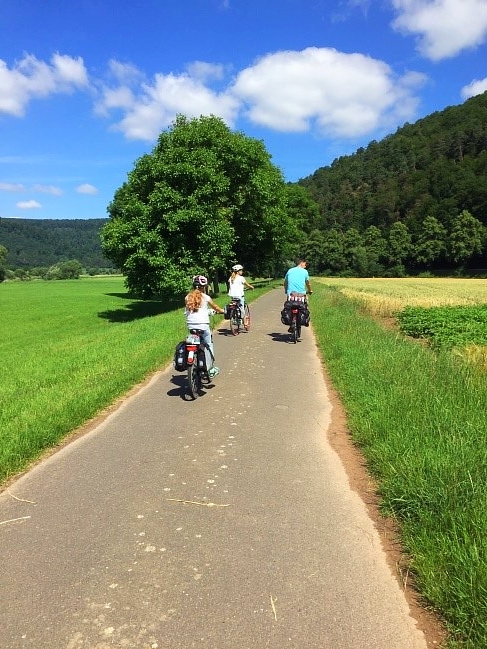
<point>207,197</point>
<point>416,201</point>
<point>35,247</point>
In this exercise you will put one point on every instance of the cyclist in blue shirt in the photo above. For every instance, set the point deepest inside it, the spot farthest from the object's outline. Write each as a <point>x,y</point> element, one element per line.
<point>297,279</point>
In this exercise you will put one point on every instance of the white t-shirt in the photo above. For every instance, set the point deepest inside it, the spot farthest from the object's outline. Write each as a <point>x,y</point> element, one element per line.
<point>237,286</point>
<point>201,316</point>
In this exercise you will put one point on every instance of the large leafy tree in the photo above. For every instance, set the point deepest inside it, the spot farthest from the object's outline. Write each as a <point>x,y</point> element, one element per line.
<point>430,244</point>
<point>205,197</point>
<point>467,237</point>
<point>399,243</point>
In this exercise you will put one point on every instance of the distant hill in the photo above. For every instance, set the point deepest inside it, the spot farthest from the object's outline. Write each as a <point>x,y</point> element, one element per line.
<point>43,242</point>
<point>435,167</point>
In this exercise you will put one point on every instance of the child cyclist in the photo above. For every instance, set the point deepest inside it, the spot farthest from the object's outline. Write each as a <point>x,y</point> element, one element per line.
<point>197,303</point>
<point>237,284</point>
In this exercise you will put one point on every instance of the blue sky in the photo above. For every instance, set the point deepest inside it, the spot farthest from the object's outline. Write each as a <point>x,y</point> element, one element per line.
<point>86,86</point>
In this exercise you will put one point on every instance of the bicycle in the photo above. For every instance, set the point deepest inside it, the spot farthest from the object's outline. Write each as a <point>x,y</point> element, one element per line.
<point>295,327</point>
<point>237,319</point>
<point>199,360</point>
<point>294,312</point>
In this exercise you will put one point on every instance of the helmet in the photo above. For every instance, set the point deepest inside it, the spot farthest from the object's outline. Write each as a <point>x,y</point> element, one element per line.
<point>237,267</point>
<point>200,280</point>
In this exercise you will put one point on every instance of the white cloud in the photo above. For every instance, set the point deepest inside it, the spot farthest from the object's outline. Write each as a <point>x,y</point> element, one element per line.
<point>153,107</point>
<point>48,189</point>
<point>31,78</point>
<point>28,205</point>
<point>205,71</point>
<point>477,87</point>
<point>344,95</point>
<point>11,187</point>
<point>86,188</point>
<point>444,27</point>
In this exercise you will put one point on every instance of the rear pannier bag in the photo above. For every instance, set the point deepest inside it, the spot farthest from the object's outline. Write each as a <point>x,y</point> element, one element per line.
<point>286,317</point>
<point>304,315</point>
<point>227,311</point>
<point>180,364</point>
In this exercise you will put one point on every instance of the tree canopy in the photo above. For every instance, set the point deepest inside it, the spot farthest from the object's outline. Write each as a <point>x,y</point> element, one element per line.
<point>205,197</point>
<point>424,189</point>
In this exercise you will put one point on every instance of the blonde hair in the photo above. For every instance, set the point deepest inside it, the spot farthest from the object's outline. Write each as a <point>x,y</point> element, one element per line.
<point>233,276</point>
<point>194,300</point>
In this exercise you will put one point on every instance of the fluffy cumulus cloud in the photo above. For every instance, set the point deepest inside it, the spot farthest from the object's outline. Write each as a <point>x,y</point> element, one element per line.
<point>477,87</point>
<point>342,95</point>
<point>29,205</point>
<point>86,188</point>
<point>443,27</point>
<point>31,78</point>
<point>150,107</point>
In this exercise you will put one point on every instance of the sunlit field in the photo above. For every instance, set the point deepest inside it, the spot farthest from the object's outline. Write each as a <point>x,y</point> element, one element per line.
<point>384,297</point>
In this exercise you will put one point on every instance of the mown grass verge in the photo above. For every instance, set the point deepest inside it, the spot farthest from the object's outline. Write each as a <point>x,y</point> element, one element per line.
<point>69,349</point>
<point>419,419</point>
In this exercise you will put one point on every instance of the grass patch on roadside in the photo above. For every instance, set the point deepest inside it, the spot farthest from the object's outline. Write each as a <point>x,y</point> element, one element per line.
<point>69,349</point>
<point>419,418</point>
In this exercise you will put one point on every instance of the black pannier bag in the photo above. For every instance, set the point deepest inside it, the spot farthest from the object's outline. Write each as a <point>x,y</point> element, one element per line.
<point>227,311</point>
<point>286,313</point>
<point>180,364</point>
<point>202,357</point>
<point>286,317</point>
<point>304,315</point>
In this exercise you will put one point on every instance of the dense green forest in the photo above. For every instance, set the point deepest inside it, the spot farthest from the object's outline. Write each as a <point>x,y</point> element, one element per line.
<point>34,243</point>
<point>415,201</point>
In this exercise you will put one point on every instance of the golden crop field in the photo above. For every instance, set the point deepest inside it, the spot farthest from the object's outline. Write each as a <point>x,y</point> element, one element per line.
<point>386,296</point>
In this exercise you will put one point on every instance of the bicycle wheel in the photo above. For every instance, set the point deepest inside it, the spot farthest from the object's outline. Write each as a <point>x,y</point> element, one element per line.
<point>294,327</point>
<point>194,381</point>
<point>235,322</point>
<point>298,329</point>
<point>246,320</point>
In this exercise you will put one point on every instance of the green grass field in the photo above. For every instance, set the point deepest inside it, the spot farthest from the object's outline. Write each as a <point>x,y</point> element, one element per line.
<point>70,348</point>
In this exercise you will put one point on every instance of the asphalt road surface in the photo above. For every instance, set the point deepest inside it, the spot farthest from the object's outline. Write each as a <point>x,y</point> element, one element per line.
<point>225,523</point>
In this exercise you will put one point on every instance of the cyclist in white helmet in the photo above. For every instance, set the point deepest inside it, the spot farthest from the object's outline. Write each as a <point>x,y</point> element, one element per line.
<point>237,284</point>
<point>197,303</point>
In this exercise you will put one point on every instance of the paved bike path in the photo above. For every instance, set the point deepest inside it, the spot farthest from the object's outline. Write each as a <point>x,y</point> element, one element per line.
<point>224,523</point>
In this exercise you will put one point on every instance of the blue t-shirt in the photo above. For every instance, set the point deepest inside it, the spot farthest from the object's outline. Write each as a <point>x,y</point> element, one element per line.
<point>296,280</point>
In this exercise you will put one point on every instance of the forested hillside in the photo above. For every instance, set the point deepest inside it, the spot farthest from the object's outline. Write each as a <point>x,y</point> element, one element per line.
<point>425,186</point>
<point>42,243</point>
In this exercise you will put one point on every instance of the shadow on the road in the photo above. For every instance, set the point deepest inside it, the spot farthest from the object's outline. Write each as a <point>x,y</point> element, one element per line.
<point>181,388</point>
<point>281,337</point>
<point>228,332</point>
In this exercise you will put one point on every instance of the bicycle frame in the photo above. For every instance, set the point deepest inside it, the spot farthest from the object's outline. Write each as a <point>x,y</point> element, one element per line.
<point>239,316</point>
<point>295,323</point>
<point>196,363</point>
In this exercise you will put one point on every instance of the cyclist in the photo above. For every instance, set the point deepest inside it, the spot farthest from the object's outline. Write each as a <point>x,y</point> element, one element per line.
<point>237,284</point>
<point>296,281</point>
<point>197,303</point>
